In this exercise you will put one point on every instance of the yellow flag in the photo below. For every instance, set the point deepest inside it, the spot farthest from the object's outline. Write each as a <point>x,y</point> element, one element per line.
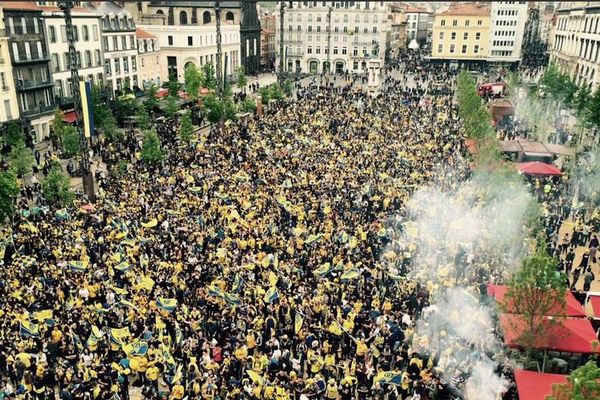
<point>335,328</point>
<point>272,279</point>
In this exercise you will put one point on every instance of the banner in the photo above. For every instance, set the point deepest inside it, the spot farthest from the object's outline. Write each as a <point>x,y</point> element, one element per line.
<point>389,377</point>
<point>85,92</point>
<point>166,304</point>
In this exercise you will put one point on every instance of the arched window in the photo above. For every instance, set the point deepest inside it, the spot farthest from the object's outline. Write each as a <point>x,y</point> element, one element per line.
<point>206,17</point>
<point>183,18</point>
<point>115,23</point>
<point>229,16</point>
<point>160,12</point>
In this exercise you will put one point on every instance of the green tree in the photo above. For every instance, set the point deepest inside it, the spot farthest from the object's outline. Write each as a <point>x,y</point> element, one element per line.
<point>276,92</point>
<point>58,124</point>
<point>13,134</point>
<point>581,100</point>
<point>593,109</point>
<point>248,105</point>
<point>125,106</point>
<point>265,94</point>
<point>230,110</point>
<point>210,79</point>
<point>151,100</point>
<point>242,80</point>
<point>582,384</point>
<point>288,88</point>
<point>9,191</point>
<point>171,107</point>
<point>214,108</point>
<point>535,291</point>
<point>104,119</point>
<point>186,130</point>
<point>21,159</point>
<point>126,85</point>
<point>70,141</point>
<point>152,153</point>
<point>552,81</point>
<point>173,86</point>
<point>143,119</point>
<point>193,81</point>
<point>57,186</point>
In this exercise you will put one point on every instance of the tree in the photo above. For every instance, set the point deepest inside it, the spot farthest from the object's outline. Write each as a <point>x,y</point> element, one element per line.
<point>103,116</point>
<point>248,105</point>
<point>125,106</point>
<point>13,134</point>
<point>9,191</point>
<point>71,142</point>
<point>276,92</point>
<point>57,187</point>
<point>229,110</point>
<point>593,109</point>
<point>242,80</point>
<point>186,130</point>
<point>151,100</point>
<point>126,85</point>
<point>58,124</point>
<point>173,85</point>
<point>193,81</point>
<point>210,79</point>
<point>21,159</point>
<point>171,107</point>
<point>214,107</point>
<point>535,291</point>
<point>143,119</point>
<point>265,94</point>
<point>288,88</point>
<point>152,153</point>
<point>582,384</point>
<point>581,100</point>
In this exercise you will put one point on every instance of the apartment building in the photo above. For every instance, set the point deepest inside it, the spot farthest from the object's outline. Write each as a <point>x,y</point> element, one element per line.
<point>30,61</point>
<point>398,33</point>
<point>88,44</point>
<point>9,109</point>
<point>461,35</point>
<point>338,36</point>
<point>149,57</point>
<point>575,44</point>
<point>419,23</point>
<point>508,19</point>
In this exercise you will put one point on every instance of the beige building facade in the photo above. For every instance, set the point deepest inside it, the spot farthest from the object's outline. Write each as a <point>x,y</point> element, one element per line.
<point>9,109</point>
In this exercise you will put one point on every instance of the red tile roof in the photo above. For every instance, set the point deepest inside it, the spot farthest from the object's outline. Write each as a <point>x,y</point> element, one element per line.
<point>142,34</point>
<point>467,9</point>
<point>20,6</point>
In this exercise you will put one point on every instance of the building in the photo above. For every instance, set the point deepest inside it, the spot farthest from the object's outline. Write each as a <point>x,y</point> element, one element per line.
<point>354,31</point>
<point>119,45</point>
<point>267,49</point>
<point>508,20</point>
<point>546,19</point>
<point>419,23</point>
<point>90,57</point>
<point>575,46</point>
<point>186,33</point>
<point>398,35</point>
<point>461,35</point>
<point>9,109</point>
<point>250,35</point>
<point>30,62</point>
<point>534,49</point>
<point>149,71</point>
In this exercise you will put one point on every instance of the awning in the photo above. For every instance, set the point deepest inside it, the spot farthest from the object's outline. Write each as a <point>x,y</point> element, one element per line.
<point>70,117</point>
<point>572,335</point>
<point>536,385</point>
<point>537,168</point>
<point>573,308</point>
<point>592,304</point>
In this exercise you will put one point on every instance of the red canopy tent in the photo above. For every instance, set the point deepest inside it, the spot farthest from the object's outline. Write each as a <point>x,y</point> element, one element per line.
<point>536,385</point>
<point>573,308</point>
<point>593,299</point>
<point>537,168</point>
<point>573,335</point>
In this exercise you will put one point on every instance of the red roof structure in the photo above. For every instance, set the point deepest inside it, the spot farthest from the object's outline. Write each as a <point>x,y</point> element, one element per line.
<point>572,335</point>
<point>536,385</point>
<point>537,168</point>
<point>573,309</point>
<point>142,34</point>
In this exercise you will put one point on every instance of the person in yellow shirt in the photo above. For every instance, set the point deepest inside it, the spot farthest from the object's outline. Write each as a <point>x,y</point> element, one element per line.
<point>177,392</point>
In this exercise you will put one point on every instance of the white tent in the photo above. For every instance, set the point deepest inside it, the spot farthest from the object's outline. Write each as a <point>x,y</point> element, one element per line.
<point>413,45</point>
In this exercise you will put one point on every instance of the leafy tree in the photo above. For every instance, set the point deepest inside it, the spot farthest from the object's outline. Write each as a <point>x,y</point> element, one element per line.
<point>125,106</point>
<point>151,100</point>
<point>71,142</point>
<point>265,94</point>
<point>58,124</point>
<point>9,191</point>
<point>104,119</point>
<point>171,107</point>
<point>242,80</point>
<point>288,88</point>
<point>581,100</point>
<point>126,85</point>
<point>173,86</point>
<point>230,110</point>
<point>569,90</point>
<point>594,109</point>
<point>21,159</point>
<point>152,152</point>
<point>275,91</point>
<point>535,291</point>
<point>193,81</point>
<point>210,79</point>
<point>552,81</point>
<point>13,134</point>
<point>186,130</point>
<point>582,384</point>
<point>214,107</point>
<point>248,105</point>
<point>57,186</point>
<point>143,119</point>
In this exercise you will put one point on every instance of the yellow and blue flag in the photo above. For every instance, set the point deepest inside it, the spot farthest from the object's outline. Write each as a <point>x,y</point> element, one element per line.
<point>166,355</point>
<point>166,304</point>
<point>323,270</point>
<point>238,282</point>
<point>150,224</point>
<point>78,265</point>
<point>145,282</point>
<point>350,274</point>
<point>136,348</point>
<point>118,334</point>
<point>389,377</point>
<point>271,295</point>
<point>27,329</point>
<point>298,321</point>
<point>256,377</point>
<point>313,238</point>
<point>232,298</point>
<point>127,303</point>
<point>123,267</point>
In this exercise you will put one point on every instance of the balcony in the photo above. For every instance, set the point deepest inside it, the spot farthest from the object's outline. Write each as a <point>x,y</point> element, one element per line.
<point>35,111</point>
<point>33,84</point>
<point>31,60</point>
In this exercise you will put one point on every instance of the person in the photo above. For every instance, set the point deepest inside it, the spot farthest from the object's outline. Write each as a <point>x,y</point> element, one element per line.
<point>593,246</point>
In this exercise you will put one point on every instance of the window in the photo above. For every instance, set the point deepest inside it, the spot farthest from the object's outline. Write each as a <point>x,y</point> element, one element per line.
<point>52,34</point>
<point>466,36</point>
<point>142,62</point>
<point>105,41</point>
<point>335,50</point>
<point>63,33</point>
<point>55,62</point>
<point>374,29</point>
<point>183,20</point>
<point>115,43</point>
<point>107,67</point>
<point>443,22</point>
<point>133,64</point>
<point>318,50</point>
<point>75,33</point>
<point>464,49</point>
<point>454,22</point>
<point>124,42</point>
<point>476,49</point>
<point>85,33</point>
<point>366,30</point>
<point>355,52</point>
<point>298,28</point>
<point>440,48</point>
<point>170,40</point>
<point>344,51</point>
<point>451,48</point>
<point>309,50</point>
<point>318,28</point>
<point>479,22</point>
<point>88,58</point>
<point>453,36</point>
<point>7,109</point>
<point>97,57</point>
<point>467,22</point>
<point>289,28</point>
<point>310,28</point>
<point>131,42</point>
<point>356,29</point>
<point>355,65</point>
<point>441,35</point>
<point>309,38</point>
<point>190,40</point>
<point>206,17</point>
<point>95,32</point>
<point>125,65</point>
<point>117,66</point>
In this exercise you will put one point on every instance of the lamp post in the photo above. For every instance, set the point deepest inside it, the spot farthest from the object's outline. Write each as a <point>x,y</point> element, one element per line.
<point>87,177</point>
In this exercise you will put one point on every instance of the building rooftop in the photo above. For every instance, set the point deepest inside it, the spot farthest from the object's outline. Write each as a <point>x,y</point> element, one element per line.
<point>142,34</point>
<point>193,3</point>
<point>467,9</point>
<point>20,6</point>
